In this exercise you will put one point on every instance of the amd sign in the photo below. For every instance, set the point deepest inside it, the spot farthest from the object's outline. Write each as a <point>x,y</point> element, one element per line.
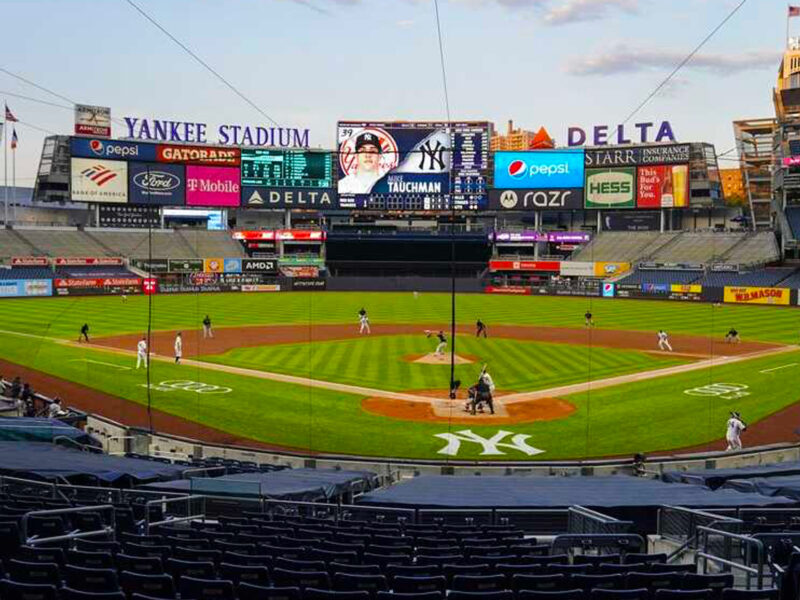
<point>259,265</point>
<point>566,199</point>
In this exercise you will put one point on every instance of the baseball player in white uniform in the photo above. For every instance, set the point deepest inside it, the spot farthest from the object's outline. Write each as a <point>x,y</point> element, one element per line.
<point>363,319</point>
<point>141,353</point>
<point>663,340</point>
<point>488,378</point>
<point>367,170</point>
<point>178,348</point>
<point>735,428</point>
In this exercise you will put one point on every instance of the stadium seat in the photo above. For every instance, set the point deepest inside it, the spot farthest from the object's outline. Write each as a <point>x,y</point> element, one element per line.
<point>244,574</point>
<point>101,546</point>
<point>161,551</point>
<point>192,588</point>
<point>478,583</point>
<point>154,586</point>
<point>766,594</point>
<point>595,559</point>
<point>337,567</point>
<point>87,521</point>
<point>558,595</point>
<point>716,582</point>
<point>313,594</point>
<point>653,581</point>
<point>300,565</point>
<point>345,582</point>
<point>501,595</point>
<point>197,555</point>
<point>91,580</point>
<point>46,527</point>
<point>540,583</point>
<point>301,579</point>
<point>146,565</point>
<point>37,573</point>
<point>186,568</point>
<point>44,555</point>
<point>413,570</point>
<point>247,591</point>
<point>683,594</point>
<point>635,557</point>
<point>638,594</point>
<point>604,569</point>
<point>90,560</point>
<point>604,582</point>
<point>256,560</point>
<point>143,597</point>
<point>664,568</point>
<point>9,539</point>
<point>12,590</point>
<point>70,594</point>
<point>418,585</point>
<point>410,596</point>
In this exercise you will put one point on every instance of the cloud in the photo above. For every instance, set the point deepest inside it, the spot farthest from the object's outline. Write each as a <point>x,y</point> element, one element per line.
<point>405,23</point>
<point>574,11</point>
<point>315,6</point>
<point>626,59</point>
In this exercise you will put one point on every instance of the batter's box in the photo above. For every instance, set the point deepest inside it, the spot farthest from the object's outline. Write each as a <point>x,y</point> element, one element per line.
<point>456,409</point>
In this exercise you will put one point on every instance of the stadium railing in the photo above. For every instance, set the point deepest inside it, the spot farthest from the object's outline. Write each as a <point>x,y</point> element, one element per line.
<point>732,552</point>
<point>181,510</point>
<point>107,530</point>
<point>616,543</point>
<point>585,520</point>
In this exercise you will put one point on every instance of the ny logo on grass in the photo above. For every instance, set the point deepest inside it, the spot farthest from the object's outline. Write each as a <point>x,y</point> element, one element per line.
<point>491,446</point>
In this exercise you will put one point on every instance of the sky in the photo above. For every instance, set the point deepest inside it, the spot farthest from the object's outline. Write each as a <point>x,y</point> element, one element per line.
<point>309,63</point>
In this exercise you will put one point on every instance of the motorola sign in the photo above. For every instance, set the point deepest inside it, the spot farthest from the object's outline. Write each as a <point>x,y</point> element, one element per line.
<point>259,265</point>
<point>566,199</point>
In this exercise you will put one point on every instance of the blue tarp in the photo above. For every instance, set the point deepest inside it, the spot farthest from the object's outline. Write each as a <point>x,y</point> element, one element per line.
<point>46,461</point>
<point>714,478</point>
<point>788,486</point>
<point>289,484</point>
<point>553,492</point>
<point>40,429</point>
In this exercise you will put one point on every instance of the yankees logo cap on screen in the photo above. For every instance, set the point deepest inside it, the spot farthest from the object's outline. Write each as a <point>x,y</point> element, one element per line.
<point>368,139</point>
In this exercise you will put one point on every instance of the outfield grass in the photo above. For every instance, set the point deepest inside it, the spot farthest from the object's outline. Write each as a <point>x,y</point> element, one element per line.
<point>62,317</point>
<point>646,416</point>
<point>379,362</point>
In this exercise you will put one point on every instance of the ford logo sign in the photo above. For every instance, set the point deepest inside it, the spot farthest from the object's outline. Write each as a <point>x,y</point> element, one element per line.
<point>156,181</point>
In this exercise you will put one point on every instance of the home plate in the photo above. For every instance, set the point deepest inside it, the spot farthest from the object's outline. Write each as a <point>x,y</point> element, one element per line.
<point>456,409</point>
<point>441,359</point>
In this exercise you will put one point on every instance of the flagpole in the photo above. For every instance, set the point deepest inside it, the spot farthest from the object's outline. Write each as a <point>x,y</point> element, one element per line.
<point>788,12</point>
<point>5,175</point>
<point>14,177</point>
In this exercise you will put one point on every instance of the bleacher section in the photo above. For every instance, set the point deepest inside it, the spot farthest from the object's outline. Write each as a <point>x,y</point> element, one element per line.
<point>623,246</point>
<point>761,247</point>
<point>26,273</point>
<point>767,278</point>
<point>96,242</point>
<point>698,248</point>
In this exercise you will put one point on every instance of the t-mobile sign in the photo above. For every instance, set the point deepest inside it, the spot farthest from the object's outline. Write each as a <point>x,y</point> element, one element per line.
<point>212,186</point>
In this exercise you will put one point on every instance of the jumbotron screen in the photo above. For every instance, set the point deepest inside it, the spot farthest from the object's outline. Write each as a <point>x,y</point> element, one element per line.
<point>412,165</point>
<point>286,168</point>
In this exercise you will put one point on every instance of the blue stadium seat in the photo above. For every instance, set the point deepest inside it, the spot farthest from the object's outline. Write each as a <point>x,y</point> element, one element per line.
<point>300,565</point>
<point>192,588</point>
<point>683,594</point>
<point>345,582</point>
<point>595,559</point>
<point>664,568</point>
<point>91,580</point>
<point>337,567</point>
<point>102,546</point>
<point>154,586</point>
<point>591,582</point>
<point>478,583</point>
<point>410,596</point>
<point>313,594</point>
<point>28,572</point>
<point>418,585</point>
<point>247,591</point>
<point>70,594</point>
<point>540,583</point>
<point>11,590</point>
<point>653,581</point>
<point>716,583</point>
<point>501,595</point>
<point>634,557</point>
<point>44,555</point>
<point>244,574</point>
<point>90,560</point>
<point>301,579</point>
<point>146,565</point>
<point>558,595</point>
<point>638,594</point>
<point>766,594</point>
<point>9,538</point>
<point>188,568</point>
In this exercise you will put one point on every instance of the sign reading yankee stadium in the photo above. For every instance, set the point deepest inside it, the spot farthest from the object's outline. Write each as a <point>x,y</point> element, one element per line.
<point>190,132</point>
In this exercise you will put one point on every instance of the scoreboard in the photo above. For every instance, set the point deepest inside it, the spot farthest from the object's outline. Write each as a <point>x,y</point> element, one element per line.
<point>287,168</point>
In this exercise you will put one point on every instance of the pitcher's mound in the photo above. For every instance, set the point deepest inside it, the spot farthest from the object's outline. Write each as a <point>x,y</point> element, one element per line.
<point>439,359</point>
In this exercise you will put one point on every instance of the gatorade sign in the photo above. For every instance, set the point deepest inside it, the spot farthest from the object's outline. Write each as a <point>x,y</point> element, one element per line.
<point>611,188</point>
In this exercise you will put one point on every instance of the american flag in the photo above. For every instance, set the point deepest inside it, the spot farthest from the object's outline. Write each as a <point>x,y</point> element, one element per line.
<point>10,116</point>
<point>794,11</point>
<point>14,139</point>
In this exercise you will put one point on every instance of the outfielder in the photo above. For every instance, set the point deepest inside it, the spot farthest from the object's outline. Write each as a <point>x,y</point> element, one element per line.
<point>588,320</point>
<point>663,340</point>
<point>84,332</point>
<point>178,348</point>
<point>480,329</point>
<point>735,428</point>
<point>141,352</point>
<point>732,337</point>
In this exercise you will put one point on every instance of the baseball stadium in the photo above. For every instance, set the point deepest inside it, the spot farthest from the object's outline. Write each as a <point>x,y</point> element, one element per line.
<point>405,358</point>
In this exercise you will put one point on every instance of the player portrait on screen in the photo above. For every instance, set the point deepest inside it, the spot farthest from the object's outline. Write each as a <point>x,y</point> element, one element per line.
<point>365,156</point>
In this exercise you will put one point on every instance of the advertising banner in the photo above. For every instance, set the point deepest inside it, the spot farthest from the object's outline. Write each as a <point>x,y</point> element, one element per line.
<point>525,265</point>
<point>610,269</point>
<point>232,265</point>
<point>128,216</point>
<point>152,183</point>
<point>611,188</point>
<point>412,165</point>
<point>149,286</point>
<point>98,180</point>
<point>299,261</point>
<point>539,170</point>
<point>92,120</point>
<point>185,265</point>
<point>111,149</point>
<point>29,261</point>
<point>516,290</point>
<point>632,221</point>
<point>157,265</point>
<point>198,155</point>
<point>313,198</point>
<point>757,295</point>
<point>212,186</point>
<point>791,161</point>
<point>686,289</point>
<point>619,156</point>
<point>76,261</point>
<point>522,199</point>
<point>259,265</point>
<point>663,186</point>
<point>25,288</point>
<point>213,265</point>
<point>309,284</point>
<point>97,286</point>
<point>577,269</point>
<point>261,288</point>
<point>304,271</point>
<point>608,290</point>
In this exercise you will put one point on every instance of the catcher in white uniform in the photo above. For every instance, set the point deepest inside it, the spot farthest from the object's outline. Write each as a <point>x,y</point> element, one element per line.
<point>141,353</point>
<point>663,340</point>
<point>735,428</point>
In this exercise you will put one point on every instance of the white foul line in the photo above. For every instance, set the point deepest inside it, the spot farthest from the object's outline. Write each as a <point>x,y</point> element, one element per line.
<point>781,367</point>
<point>100,362</point>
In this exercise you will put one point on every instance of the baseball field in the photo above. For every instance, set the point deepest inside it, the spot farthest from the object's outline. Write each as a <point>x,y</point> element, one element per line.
<point>291,370</point>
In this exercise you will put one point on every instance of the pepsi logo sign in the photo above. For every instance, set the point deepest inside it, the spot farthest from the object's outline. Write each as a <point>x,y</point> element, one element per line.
<point>517,169</point>
<point>156,181</point>
<point>97,147</point>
